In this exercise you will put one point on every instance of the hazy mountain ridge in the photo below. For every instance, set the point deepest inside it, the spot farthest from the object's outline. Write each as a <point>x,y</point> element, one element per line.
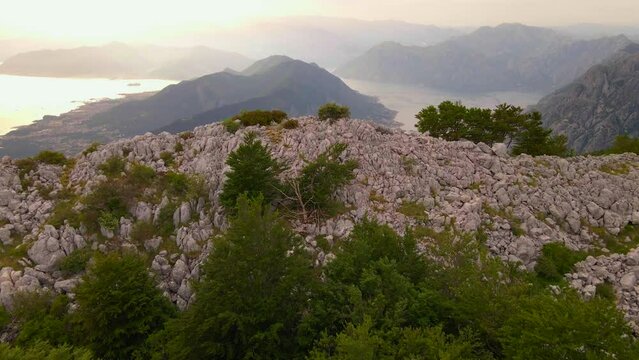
<point>290,85</point>
<point>275,82</point>
<point>504,58</point>
<point>117,60</point>
<point>599,105</point>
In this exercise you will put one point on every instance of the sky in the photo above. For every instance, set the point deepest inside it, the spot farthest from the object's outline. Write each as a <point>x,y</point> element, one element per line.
<point>108,20</point>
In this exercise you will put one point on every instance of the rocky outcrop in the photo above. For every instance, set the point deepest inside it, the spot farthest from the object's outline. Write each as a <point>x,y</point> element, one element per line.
<point>521,202</point>
<point>599,105</point>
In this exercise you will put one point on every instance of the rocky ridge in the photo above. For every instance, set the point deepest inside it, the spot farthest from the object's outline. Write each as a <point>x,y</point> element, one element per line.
<point>521,203</point>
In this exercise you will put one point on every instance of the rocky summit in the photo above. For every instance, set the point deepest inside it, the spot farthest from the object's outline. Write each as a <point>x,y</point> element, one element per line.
<point>403,179</point>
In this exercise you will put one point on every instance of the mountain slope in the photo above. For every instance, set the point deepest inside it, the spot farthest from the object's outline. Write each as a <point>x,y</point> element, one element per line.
<point>599,105</point>
<point>118,60</point>
<point>503,58</point>
<point>290,85</point>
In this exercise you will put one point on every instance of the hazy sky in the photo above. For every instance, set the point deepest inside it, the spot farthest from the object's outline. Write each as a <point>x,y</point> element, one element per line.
<point>106,20</point>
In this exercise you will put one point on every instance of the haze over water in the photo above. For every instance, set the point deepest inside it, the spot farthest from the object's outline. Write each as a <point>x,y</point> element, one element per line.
<point>25,99</point>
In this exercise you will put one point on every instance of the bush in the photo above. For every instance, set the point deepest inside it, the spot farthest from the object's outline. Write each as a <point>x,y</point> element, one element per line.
<point>108,220</point>
<point>320,179</point>
<point>556,260</point>
<point>76,262</point>
<point>232,125</point>
<point>42,316</point>
<point>63,211</point>
<point>253,172</point>
<point>108,198</point>
<point>177,184</point>
<point>167,158</point>
<point>119,306</point>
<point>291,124</point>
<point>141,176</point>
<point>165,225</point>
<point>51,157</point>
<point>144,230</point>
<point>261,117</point>
<point>113,167</point>
<point>333,112</point>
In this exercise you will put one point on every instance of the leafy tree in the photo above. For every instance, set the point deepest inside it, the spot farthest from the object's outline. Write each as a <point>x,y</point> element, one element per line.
<point>556,260</point>
<point>534,140</point>
<point>453,121</point>
<point>314,189</point>
<point>119,306</point>
<point>546,326</point>
<point>253,172</point>
<point>254,293</point>
<point>51,157</point>
<point>333,112</point>
<point>623,144</point>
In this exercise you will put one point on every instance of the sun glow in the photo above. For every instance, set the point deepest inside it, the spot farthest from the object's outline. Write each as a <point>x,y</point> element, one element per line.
<point>132,19</point>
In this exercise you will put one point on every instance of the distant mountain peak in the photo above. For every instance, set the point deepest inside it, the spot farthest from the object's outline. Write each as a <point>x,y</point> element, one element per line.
<point>266,64</point>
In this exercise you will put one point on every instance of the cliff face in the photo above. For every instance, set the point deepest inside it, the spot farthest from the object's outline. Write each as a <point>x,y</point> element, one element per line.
<point>521,202</point>
<point>598,106</point>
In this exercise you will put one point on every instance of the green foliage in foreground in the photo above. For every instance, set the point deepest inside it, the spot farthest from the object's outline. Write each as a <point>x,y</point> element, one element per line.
<point>556,260</point>
<point>454,121</point>
<point>44,351</point>
<point>256,285</point>
<point>119,306</point>
<point>333,112</point>
<point>424,295</point>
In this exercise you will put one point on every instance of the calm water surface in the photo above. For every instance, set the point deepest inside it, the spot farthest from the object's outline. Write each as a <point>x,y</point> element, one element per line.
<point>409,100</point>
<point>24,99</point>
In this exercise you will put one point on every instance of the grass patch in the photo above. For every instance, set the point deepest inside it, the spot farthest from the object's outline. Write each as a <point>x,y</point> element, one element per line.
<point>375,197</point>
<point>10,255</point>
<point>622,243</point>
<point>475,186</point>
<point>414,210</point>
<point>606,291</point>
<point>232,125</point>
<point>409,163</point>
<point>515,222</point>
<point>290,124</point>
<point>615,168</point>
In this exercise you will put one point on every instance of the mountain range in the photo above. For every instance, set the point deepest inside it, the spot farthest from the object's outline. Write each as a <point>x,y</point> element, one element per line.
<point>117,60</point>
<point>509,57</point>
<point>598,106</point>
<point>277,82</point>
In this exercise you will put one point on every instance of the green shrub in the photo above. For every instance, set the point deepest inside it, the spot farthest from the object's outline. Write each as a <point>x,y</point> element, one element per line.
<point>179,147</point>
<point>113,167</point>
<point>413,210</point>
<point>333,112</point>
<point>165,225</point>
<point>51,157</point>
<point>291,124</point>
<point>232,125</point>
<point>253,172</point>
<point>76,262</point>
<point>119,306</point>
<point>42,316</point>
<point>556,260</point>
<point>321,177</point>
<point>623,144</point>
<point>606,291</point>
<point>177,184</point>
<point>168,159</point>
<point>144,230</point>
<point>187,135</point>
<point>91,149</point>
<point>261,117</point>
<point>108,220</point>
<point>141,176</point>
<point>110,197</point>
<point>62,211</point>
